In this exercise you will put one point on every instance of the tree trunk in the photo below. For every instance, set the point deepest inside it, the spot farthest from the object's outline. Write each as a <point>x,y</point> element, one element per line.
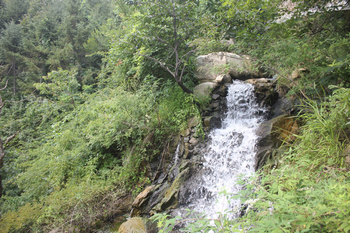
<point>14,78</point>
<point>184,88</point>
<point>2,155</point>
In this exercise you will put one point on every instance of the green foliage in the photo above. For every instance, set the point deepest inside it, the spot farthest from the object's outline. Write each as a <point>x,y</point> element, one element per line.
<point>13,10</point>
<point>175,109</point>
<point>199,223</point>
<point>91,137</point>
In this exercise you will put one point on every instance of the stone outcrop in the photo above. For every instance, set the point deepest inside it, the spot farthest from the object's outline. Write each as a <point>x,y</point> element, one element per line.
<point>182,158</point>
<point>170,199</point>
<point>223,79</point>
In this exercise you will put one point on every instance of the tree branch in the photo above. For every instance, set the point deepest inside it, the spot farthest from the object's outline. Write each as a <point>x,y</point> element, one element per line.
<point>186,54</point>
<point>11,101</point>
<point>2,145</point>
<point>4,86</point>
<point>163,41</point>
<point>10,138</point>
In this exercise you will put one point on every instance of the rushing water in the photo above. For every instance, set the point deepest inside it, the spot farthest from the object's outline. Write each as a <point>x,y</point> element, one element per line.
<point>231,151</point>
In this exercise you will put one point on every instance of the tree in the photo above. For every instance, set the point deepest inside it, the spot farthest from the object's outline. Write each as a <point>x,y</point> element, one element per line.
<point>12,10</point>
<point>62,84</point>
<point>11,43</point>
<point>165,26</point>
<point>3,143</point>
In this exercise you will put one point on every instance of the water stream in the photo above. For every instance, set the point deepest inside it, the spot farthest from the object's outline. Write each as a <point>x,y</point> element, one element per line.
<point>231,152</point>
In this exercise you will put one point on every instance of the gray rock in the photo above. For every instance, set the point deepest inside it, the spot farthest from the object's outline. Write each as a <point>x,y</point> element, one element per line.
<point>138,225</point>
<point>212,121</point>
<point>224,78</point>
<point>185,133</point>
<point>272,134</point>
<point>186,139</point>
<point>194,121</point>
<point>193,141</point>
<point>170,199</point>
<point>204,90</point>
<point>215,96</point>
<point>142,197</point>
<point>214,64</point>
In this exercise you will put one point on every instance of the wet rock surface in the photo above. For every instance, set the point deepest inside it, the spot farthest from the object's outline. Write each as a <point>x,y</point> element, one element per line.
<point>265,91</point>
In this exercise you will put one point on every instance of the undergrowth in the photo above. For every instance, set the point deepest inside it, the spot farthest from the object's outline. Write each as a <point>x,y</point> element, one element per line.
<point>76,175</point>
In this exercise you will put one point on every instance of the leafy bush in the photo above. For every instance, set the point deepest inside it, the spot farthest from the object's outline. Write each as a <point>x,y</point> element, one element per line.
<point>21,220</point>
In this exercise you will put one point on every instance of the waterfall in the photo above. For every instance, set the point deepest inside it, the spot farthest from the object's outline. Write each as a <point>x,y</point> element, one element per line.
<point>231,152</point>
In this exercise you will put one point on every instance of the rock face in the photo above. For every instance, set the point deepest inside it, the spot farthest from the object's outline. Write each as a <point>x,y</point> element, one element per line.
<point>265,90</point>
<point>215,64</point>
<point>138,225</point>
<point>272,134</point>
<point>170,199</point>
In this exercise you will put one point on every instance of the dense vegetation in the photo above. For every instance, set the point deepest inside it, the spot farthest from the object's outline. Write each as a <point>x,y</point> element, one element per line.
<point>83,82</point>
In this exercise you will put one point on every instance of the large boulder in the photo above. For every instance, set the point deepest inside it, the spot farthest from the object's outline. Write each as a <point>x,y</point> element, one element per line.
<point>204,90</point>
<point>138,225</point>
<point>214,64</point>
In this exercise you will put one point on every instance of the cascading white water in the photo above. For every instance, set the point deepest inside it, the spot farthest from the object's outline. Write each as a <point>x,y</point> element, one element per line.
<point>231,152</point>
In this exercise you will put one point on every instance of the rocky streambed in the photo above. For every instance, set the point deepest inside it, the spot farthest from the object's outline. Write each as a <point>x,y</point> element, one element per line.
<point>185,177</point>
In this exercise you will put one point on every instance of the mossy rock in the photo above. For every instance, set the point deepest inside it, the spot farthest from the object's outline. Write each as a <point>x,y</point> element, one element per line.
<point>203,90</point>
<point>138,225</point>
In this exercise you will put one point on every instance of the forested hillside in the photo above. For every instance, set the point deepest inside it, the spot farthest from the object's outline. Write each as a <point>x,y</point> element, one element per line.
<point>83,82</point>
